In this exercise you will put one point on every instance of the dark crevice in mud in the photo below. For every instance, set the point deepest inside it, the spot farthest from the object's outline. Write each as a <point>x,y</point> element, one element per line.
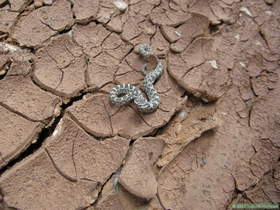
<point>262,35</point>
<point>30,49</point>
<point>5,69</point>
<point>154,133</point>
<point>213,28</point>
<point>66,30</point>
<point>42,136</point>
<point>6,3</point>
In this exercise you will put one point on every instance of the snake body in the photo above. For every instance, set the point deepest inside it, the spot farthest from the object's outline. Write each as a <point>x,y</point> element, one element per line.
<point>124,93</point>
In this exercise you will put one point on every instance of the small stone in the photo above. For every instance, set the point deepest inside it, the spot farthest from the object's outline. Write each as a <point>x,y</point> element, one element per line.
<point>237,37</point>
<point>242,64</point>
<point>137,175</point>
<point>246,11</point>
<point>121,5</point>
<point>2,72</point>
<point>213,63</point>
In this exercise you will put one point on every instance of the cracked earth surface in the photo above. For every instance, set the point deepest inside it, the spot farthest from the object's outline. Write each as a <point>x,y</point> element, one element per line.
<point>213,142</point>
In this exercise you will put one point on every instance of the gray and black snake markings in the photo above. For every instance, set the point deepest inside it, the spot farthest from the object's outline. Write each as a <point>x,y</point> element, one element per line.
<point>124,93</point>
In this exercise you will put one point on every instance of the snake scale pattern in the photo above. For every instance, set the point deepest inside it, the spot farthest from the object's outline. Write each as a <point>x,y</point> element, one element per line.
<point>124,93</point>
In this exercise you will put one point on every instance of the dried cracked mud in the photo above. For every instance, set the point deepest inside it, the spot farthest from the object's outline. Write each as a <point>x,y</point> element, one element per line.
<point>213,142</point>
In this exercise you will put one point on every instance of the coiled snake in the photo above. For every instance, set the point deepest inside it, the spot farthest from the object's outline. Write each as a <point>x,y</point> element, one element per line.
<point>124,93</point>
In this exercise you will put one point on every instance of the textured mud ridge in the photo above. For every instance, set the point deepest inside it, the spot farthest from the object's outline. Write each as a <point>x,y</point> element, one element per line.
<point>214,141</point>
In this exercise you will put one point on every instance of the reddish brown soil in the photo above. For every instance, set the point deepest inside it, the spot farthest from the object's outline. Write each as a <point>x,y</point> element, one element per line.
<point>213,142</point>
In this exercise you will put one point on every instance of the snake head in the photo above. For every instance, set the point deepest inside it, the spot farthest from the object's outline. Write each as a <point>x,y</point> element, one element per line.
<point>144,49</point>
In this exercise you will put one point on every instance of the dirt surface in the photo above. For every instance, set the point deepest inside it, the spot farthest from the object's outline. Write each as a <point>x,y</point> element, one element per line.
<point>213,142</point>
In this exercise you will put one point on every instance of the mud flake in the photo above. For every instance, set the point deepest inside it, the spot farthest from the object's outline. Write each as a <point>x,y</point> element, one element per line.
<point>85,10</point>
<point>115,24</point>
<point>138,176</point>
<point>80,156</point>
<point>21,95</point>
<point>40,24</point>
<point>38,176</point>
<point>59,16</point>
<point>131,29</point>
<point>19,6</point>
<point>206,82</point>
<point>197,76</point>
<point>170,33</point>
<point>196,25</point>
<point>16,133</point>
<point>89,112</point>
<point>125,73</point>
<point>161,15</point>
<point>126,122</point>
<point>101,70</point>
<point>115,47</point>
<point>114,196</point>
<point>264,158</point>
<point>8,18</point>
<point>203,7</point>
<point>159,44</point>
<point>186,183</point>
<point>90,37</point>
<point>14,61</point>
<point>61,67</point>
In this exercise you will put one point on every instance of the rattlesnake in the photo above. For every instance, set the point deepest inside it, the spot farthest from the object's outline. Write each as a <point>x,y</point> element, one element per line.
<point>124,93</point>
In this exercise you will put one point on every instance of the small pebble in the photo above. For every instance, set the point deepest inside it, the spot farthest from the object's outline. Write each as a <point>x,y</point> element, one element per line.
<point>177,33</point>
<point>2,72</point>
<point>246,11</point>
<point>183,115</point>
<point>213,63</point>
<point>121,5</point>
<point>242,64</point>
<point>237,37</point>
